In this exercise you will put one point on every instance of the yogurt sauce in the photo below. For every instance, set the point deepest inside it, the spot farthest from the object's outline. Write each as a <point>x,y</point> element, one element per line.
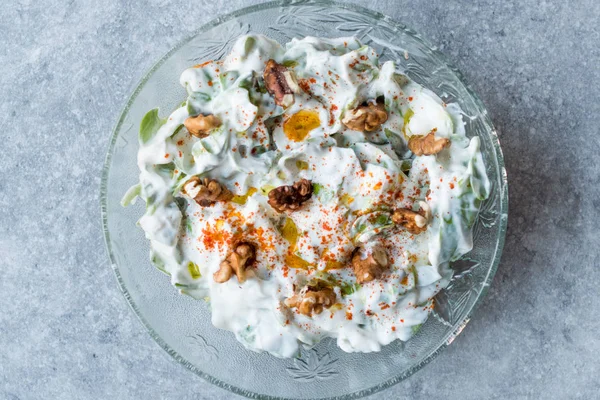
<point>358,179</point>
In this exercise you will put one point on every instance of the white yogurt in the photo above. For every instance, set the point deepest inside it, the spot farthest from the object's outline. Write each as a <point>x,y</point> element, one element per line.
<point>358,180</point>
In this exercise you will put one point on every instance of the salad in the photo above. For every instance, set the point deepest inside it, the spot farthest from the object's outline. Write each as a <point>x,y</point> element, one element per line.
<point>307,191</point>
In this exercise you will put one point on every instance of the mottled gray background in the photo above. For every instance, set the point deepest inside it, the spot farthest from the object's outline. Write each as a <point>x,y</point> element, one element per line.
<point>66,69</point>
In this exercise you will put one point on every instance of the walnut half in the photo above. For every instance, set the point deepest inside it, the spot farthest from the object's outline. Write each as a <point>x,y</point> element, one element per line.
<point>206,191</point>
<point>280,83</point>
<point>290,198</point>
<point>414,222</point>
<point>366,117</point>
<point>236,262</point>
<point>312,300</point>
<point>427,145</point>
<point>369,264</point>
<point>201,125</point>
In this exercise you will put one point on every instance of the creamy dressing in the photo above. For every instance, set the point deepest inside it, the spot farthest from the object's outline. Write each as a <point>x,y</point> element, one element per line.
<point>358,179</point>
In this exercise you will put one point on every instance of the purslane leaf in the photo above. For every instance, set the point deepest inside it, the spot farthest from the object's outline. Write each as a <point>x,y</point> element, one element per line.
<point>150,124</point>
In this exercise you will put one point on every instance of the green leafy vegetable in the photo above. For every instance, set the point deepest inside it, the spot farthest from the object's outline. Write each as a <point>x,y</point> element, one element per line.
<point>349,288</point>
<point>166,169</point>
<point>177,130</point>
<point>249,45</point>
<point>407,116</point>
<point>301,165</point>
<point>289,63</point>
<point>323,193</point>
<point>150,124</point>
<point>158,263</point>
<point>194,270</point>
<point>131,194</point>
<point>401,79</point>
<point>416,328</point>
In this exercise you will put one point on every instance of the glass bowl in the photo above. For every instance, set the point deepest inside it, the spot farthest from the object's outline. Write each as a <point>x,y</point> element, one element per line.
<point>182,326</point>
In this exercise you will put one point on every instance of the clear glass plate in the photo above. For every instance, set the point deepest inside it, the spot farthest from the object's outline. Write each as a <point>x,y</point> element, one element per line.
<point>182,325</point>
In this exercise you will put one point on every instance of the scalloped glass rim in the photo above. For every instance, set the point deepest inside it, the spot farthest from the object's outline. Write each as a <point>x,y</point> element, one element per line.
<point>458,327</point>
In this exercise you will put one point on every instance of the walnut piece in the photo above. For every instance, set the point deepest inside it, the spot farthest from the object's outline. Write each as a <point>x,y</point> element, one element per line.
<point>312,300</point>
<point>369,264</point>
<point>206,191</point>
<point>201,125</point>
<point>427,145</point>
<point>236,262</point>
<point>366,117</point>
<point>280,83</point>
<point>290,198</point>
<point>414,222</point>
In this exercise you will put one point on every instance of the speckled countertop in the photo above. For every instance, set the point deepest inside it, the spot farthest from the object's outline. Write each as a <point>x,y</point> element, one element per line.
<point>66,69</point>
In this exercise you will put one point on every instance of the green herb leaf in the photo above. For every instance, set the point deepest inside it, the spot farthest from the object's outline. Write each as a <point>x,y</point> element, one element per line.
<point>317,187</point>
<point>407,117</point>
<point>301,165</point>
<point>383,219</point>
<point>349,288</point>
<point>150,124</point>
<point>416,328</point>
<point>177,130</point>
<point>158,263</point>
<point>194,270</point>
<point>249,45</point>
<point>289,63</point>
<point>131,194</point>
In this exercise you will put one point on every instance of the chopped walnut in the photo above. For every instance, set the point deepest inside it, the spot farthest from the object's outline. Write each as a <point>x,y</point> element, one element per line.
<point>312,300</point>
<point>236,262</point>
<point>290,198</point>
<point>427,145</point>
<point>366,117</point>
<point>206,191</point>
<point>201,125</point>
<point>369,264</point>
<point>280,83</point>
<point>414,222</point>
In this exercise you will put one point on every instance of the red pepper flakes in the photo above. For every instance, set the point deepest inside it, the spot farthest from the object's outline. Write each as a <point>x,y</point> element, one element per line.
<point>410,98</point>
<point>304,85</point>
<point>348,316</point>
<point>204,64</point>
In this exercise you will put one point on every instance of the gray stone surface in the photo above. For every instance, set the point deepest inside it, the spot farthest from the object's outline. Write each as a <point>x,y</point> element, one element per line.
<point>66,69</point>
